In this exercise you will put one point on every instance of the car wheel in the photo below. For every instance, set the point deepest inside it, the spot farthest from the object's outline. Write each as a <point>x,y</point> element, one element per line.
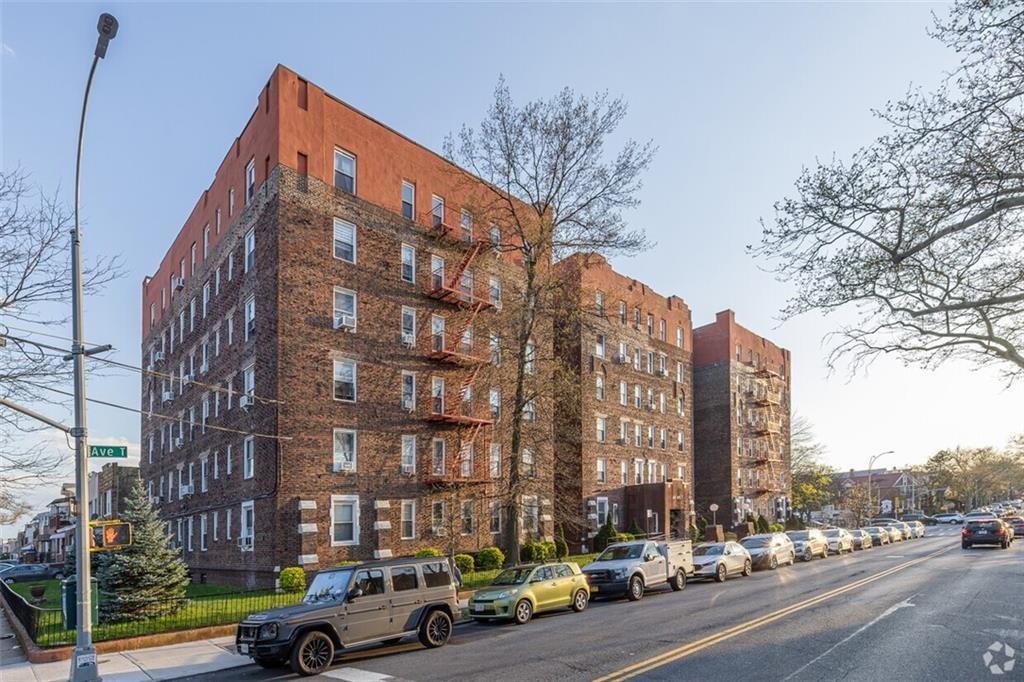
<point>313,653</point>
<point>678,581</point>
<point>523,612</point>
<point>773,563</point>
<point>807,555</point>
<point>720,573</point>
<point>636,589</point>
<point>269,662</point>
<point>579,600</point>
<point>748,568</point>
<point>436,629</point>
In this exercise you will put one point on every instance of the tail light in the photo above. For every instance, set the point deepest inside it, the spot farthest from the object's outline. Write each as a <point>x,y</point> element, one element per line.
<point>1001,531</point>
<point>964,532</point>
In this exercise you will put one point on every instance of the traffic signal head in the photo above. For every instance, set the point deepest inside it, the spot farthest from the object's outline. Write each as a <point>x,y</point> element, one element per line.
<point>113,535</point>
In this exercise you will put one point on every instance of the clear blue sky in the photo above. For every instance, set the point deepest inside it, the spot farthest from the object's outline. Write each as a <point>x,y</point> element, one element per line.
<point>737,96</point>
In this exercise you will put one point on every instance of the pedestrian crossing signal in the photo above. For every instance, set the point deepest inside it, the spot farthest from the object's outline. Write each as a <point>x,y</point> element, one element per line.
<point>108,535</point>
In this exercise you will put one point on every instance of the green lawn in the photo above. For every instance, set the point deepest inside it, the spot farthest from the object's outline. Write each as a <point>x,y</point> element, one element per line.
<point>51,597</point>
<point>478,579</point>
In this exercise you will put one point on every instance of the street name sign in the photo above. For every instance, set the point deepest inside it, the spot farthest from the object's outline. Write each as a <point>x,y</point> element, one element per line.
<point>120,451</point>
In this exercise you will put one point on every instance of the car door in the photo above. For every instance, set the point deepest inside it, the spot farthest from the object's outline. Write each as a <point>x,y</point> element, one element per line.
<point>368,616</point>
<point>405,598</point>
<point>544,587</point>
<point>654,564</point>
<point>735,557</point>
<point>567,582</point>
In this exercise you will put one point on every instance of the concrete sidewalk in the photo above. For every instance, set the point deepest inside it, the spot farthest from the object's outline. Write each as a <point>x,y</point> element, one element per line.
<point>157,663</point>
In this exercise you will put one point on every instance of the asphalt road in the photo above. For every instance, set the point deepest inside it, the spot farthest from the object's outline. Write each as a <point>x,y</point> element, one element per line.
<point>918,610</point>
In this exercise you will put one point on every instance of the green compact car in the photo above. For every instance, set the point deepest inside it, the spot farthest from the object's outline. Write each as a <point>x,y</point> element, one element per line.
<point>521,591</point>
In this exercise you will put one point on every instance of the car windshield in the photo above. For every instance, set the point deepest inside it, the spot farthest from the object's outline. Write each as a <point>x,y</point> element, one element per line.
<point>754,542</point>
<point>798,535</point>
<point>621,552</point>
<point>707,549</point>
<point>833,532</point>
<point>512,576</point>
<point>328,586</point>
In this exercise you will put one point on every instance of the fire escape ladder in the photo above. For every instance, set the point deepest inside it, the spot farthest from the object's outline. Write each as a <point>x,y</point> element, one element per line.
<point>464,265</point>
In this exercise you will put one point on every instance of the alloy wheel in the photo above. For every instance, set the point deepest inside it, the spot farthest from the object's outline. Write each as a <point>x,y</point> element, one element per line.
<point>316,654</point>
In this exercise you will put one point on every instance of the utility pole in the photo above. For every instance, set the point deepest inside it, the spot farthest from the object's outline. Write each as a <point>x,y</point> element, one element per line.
<point>83,659</point>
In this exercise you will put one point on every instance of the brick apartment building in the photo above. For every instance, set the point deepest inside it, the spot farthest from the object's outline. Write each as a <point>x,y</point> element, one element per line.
<point>741,385</point>
<point>319,333</point>
<point>109,488</point>
<point>624,443</point>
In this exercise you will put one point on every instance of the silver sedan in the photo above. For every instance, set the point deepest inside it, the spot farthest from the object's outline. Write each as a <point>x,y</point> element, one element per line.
<point>719,560</point>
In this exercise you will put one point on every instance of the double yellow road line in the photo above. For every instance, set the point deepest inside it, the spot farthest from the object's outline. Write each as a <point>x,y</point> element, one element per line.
<point>685,650</point>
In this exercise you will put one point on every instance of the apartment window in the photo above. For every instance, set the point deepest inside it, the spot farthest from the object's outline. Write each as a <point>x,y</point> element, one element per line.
<point>206,241</point>
<point>663,438</point>
<point>599,303</point>
<point>227,523</point>
<point>248,457</point>
<point>494,461</point>
<point>202,532</point>
<point>529,464</point>
<point>408,263</point>
<point>216,522</point>
<point>602,470</point>
<point>494,401</point>
<point>495,236</point>
<point>191,315</point>
<point>680,441</point>
<point>623,435</point>
<point>345,442</point>
<point>495,291</point>
<point>203,479</point>
<point>650,324</point>
<point>408,391</point>
<point>437,464</point>
<point>739,352</point>
<point>344,241</point>
<point>530,411</point>
<point>661,330</point>
<point>231,327</point>
<point>650,435</point>
<point>599,346</point>
<point>216,282</point>
<point>409,200</point>
<point>250,318</point>
<point>466,226</point>
<point>249,380</point>
<point>437,210</point>
<point>637,398</point>
<point>679,337</point>
<point>495,517</point>
<point>250,250</point>
<point>495,345</point>
<point>528,362</point>
<point>438,512</point>
<point>602,511</point>
<point>250,181</point>
<point>191,527</point>
<point>467,516</point>
<point>231,265</point>
<point>599,386</point>
<point>623,393</point>
<point>231,202</point>
<point>622,312</point>
<point>344,171</point>
<point>408,519</point>
<point>216,465</point>
<point>344,520</point>
<point>217,222</point>
<point>408,454</point>
<point>437,394</point>
<point>345,309</point>
<point>437,333</point>
<point>408,326</point>
<point>602,429</point>
<point>192,261</point>
<point>638,435</point>
<point>206,299</point>
<point>467,457</point>
<point>624,472</point>
<point>436,272</point>
<point>345,380</point>
<point>531,514</point>
<point>227,461</point>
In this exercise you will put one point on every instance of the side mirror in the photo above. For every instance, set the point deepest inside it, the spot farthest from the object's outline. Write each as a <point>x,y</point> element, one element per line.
<point>650,557</point>
<point>354,593</point>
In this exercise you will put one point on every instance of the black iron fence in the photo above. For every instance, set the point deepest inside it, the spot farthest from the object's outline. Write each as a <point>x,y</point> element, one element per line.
<point>131,617</point>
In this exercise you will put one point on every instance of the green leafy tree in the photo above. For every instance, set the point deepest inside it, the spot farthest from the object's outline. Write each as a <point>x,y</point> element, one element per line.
<point>147,579</point>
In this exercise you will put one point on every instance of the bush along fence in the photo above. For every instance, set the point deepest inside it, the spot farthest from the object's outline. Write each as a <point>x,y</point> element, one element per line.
<point>46,625</point>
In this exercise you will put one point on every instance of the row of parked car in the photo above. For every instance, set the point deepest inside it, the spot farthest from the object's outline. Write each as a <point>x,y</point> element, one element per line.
<point>386,601</point>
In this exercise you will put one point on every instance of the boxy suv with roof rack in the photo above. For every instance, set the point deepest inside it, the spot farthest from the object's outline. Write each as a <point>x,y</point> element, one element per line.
<point>349,606</point>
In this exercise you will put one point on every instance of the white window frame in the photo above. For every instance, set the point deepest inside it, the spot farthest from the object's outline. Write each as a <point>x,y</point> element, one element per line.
<point>407,250</point>
<point>342,154</point>
<point>250,180</point>
<point>338,463</point>
<point>345,499</point>
<point>343,225</point>
<point>407,515</point>
<point>249,262</point>
<point>355,380</point>
<point>248,457</point>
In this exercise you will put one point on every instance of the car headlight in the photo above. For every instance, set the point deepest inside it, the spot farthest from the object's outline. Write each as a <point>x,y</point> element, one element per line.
<point>268,631</point>
<point>619,573</point>
<point>505,594</point>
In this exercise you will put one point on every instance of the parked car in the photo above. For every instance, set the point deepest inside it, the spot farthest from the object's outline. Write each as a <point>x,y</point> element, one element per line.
<point>979,514</point>
<point>349,606</point>
<point>809,543</point>
<point>905,529</point>
<point>916,516</point>
<point>769,550</point>
<point>521,591</point>
<point>862,539</point>
<point>631,568</point>
<point>883,521</point>
<point>719,560</point>
<point>839,540</point>
<point>895,534</point>
<point>950,518</point>
<point>984,532</point>
<point>1017,523</point>
<point>879,535</point>
<point>23,573</point>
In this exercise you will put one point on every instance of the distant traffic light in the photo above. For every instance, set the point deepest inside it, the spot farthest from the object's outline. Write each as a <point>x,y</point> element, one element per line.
<point>108,535</point>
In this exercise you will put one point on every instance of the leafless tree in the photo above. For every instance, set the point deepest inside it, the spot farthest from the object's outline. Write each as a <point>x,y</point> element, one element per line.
<point>919,237</point>
<point>35,279</point>
<point>553,189</point>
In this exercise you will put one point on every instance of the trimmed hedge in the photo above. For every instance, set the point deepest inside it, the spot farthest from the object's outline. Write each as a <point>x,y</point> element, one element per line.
<point>489,558</point>
<point>293,579</point>
<point>429,551</point>
<point>465,563</point>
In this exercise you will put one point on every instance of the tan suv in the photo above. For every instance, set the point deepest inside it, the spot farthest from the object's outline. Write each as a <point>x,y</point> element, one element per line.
<point>350,606</point>
<point>809,543</point>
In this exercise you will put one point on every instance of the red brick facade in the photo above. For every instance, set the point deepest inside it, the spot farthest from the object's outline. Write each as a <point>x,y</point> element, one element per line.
<point>741,422</point>
<point>631,425</point>
<point>345,449</point>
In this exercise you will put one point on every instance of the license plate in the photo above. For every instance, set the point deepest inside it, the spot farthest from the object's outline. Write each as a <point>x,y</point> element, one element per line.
<point>594,588</point>
<point>982,532</point>
<point>478,608</point>
<point>243,648</point>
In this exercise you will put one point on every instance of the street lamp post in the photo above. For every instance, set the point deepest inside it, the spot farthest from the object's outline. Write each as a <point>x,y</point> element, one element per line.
<point>871,464</point>
<point>83,660</point>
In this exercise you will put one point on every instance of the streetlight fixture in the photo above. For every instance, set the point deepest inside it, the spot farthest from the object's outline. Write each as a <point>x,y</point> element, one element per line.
<point>83,659</point>
<point>871,464</point>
